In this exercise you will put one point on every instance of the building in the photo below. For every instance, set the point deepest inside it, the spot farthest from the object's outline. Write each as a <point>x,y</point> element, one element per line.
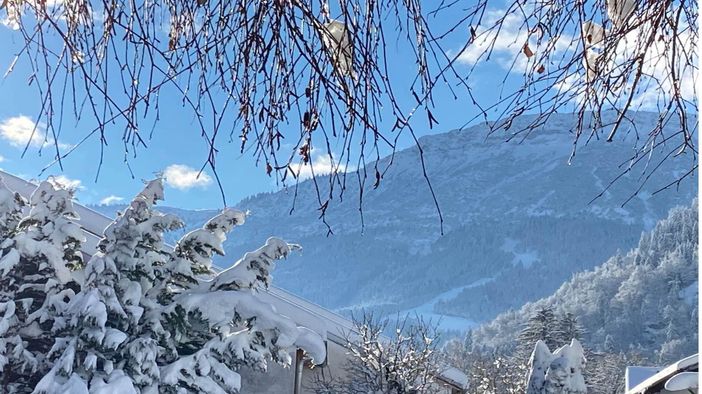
<point>333,328</point>
<point>678,378</point>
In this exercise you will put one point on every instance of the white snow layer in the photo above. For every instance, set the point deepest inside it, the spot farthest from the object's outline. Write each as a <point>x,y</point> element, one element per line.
<point>683,381</point>
<point>557,373</point>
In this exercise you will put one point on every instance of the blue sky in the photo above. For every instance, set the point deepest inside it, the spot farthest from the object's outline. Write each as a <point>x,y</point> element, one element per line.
<point>176,148</point>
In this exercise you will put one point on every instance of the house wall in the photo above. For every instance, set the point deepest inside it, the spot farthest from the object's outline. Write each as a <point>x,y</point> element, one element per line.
<point>280,380</point>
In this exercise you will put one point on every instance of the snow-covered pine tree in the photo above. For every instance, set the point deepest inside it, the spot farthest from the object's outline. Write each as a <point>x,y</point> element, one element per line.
<point>35,272</point>
<point>192,257</point>
<point>540,327</point>
<point>557,373</point>
<point>565,373</point>
<point>222,324</point>
<point>12,349</point>
<point>567,328</point>
<point>132,328</point>
<point>110,337</point>
<point>190,264</point>
<point>539,362</point>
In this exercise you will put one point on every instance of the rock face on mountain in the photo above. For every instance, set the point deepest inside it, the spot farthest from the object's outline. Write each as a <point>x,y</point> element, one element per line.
<point>518,223</point>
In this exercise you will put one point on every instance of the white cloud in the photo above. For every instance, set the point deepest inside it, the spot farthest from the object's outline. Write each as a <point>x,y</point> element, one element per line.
<point>109,200</point>
<point>2,159</point>
<point>504,44</point>
<point>322,164</point>
<point>20,130</point>
<point>66,182</point>
<point>504,47</point>
<point>657,86</point>
<point>180,176</point>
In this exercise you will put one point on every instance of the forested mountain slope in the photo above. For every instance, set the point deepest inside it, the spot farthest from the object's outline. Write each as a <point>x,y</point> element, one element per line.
<point>518,223</point>
<point>644,300</point>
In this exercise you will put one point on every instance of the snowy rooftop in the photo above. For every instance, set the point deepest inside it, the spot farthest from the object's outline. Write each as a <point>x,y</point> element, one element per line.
<point>636,375</point>
<point>644,380</point>
<point>329,325</point>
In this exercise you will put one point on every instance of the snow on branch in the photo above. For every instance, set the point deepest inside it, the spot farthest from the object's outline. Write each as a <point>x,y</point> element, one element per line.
<point>145,318</point>
<point>253,270</point>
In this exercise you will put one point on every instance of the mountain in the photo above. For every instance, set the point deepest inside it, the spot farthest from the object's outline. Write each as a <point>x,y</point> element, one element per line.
<point>515,213</point>
<point>644,300</point>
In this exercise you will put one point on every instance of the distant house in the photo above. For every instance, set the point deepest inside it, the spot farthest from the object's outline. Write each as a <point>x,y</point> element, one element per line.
<point>678,378</point>
<point>298,379</point>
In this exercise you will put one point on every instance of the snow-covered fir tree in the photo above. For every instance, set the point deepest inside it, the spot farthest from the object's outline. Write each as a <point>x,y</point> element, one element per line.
<point>152,319</point>
<point>539,362</point>
<point>565,373</point>
<point>222,325</point>
<point>37,284</point>
<point>539,327</point>
<point>567,327</point>
<point>12,348</point>
<point>108,342</point>
<point>557,373</point>
<point>192,257</point>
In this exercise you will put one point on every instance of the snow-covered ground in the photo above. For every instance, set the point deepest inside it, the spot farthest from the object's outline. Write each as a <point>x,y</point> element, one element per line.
<point>443,321</point>
<point>526,257</point>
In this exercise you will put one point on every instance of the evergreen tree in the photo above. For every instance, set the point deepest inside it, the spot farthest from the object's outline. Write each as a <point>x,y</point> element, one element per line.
<point>13,353</point>
<point>36,274</point>
<point>565,373</point>
<point>222,325</point>
<point>106,341</point>
<point>567,328</point>
<point>150,319</point>
<point>559,373</point>
<point>539,362</point>
<point>192,257</point>
<point>540,327</point>
<point>190,262</point>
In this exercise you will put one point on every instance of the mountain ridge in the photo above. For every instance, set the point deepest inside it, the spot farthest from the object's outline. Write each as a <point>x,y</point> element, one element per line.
<point>512,211</point>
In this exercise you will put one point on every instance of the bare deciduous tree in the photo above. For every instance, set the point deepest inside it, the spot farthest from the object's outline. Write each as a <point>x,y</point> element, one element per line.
<point>316,73</point>
<point>408,362</point>
<point>594,57</point>
<point>305,71</point>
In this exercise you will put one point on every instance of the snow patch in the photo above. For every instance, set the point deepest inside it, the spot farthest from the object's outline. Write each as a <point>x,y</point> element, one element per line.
<point>526,257</point>
<point>446,322</point>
